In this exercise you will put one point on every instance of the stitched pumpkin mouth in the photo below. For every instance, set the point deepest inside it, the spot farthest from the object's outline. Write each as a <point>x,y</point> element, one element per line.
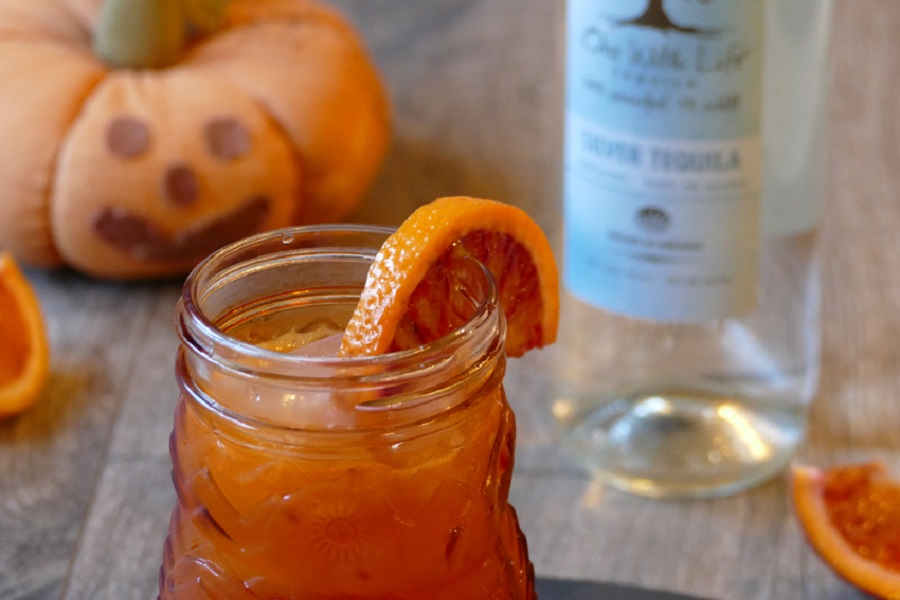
<point>142,239</point>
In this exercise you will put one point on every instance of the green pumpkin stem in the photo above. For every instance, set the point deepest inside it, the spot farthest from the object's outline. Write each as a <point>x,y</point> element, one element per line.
<point>151,34</point>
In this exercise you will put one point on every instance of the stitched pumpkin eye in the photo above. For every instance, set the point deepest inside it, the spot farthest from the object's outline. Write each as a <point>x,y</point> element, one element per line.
<point>227,139</point>
<point>127,137</point>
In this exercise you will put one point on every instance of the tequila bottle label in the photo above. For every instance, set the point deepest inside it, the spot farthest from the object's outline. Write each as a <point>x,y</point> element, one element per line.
<point>663,158</point>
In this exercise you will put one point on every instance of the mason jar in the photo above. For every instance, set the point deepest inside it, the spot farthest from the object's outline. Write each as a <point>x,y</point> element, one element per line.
<point>303,475</point>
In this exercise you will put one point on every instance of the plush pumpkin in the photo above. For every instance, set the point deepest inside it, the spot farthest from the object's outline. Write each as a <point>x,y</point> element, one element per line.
<point>137,136</point>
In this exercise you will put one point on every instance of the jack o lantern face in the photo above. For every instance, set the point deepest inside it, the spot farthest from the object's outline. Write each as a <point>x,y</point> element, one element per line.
<point>163,170</point>
<point>226,139</point>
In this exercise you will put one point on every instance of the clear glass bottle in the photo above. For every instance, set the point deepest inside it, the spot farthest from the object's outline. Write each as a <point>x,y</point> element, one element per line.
<point>301,475</point>
<point>689,342</point>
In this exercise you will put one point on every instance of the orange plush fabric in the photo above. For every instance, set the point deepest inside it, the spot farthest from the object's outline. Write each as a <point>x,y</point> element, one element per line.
<point>277,117</point>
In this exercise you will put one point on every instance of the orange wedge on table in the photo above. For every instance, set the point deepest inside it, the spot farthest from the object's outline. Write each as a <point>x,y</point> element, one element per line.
<point>405,301</point>
<point>851,517</point>
<point>24,352</point>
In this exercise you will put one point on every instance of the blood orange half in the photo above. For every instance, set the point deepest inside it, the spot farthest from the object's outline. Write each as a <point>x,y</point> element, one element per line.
<point>406,299</point>
<point>851,517</point>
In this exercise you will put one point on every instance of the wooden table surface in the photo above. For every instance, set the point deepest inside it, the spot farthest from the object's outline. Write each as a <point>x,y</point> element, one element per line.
<point>476,89</point>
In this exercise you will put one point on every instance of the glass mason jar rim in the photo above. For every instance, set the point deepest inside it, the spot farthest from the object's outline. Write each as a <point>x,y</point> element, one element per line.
<point>203,338</point>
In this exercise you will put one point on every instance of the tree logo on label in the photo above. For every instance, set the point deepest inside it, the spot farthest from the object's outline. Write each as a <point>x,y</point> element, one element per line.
<point>655,17</point>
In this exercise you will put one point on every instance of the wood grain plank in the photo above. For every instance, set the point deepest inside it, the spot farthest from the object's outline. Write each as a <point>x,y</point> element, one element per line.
<point>150,392</point>
<point>121,544</point>
<point>855,412</point>
<point>52,456</point>
<point>121,548</point>
<point>742,548</point>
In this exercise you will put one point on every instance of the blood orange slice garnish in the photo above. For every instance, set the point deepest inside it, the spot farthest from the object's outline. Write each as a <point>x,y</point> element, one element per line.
<point>24,352</point>
<point>851,517</point>
<point>407,296</point>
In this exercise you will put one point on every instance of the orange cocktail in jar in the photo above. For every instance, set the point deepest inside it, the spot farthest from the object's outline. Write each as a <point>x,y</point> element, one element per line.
<point>301,474</point>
